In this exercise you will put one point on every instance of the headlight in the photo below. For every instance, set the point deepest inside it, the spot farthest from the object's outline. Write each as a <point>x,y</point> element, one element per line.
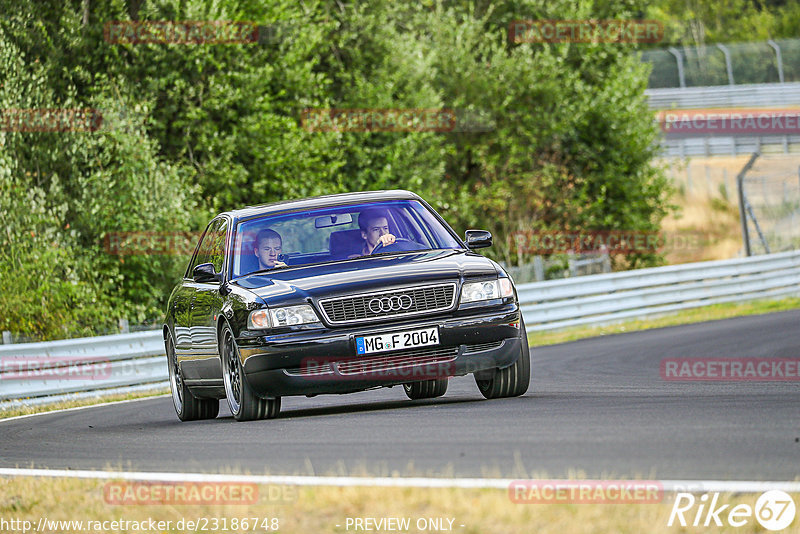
<point>290,315</point>
<point>487,290</point>
<point>293,315</point>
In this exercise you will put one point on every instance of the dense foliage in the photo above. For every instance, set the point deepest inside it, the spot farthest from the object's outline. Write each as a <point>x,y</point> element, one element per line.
<point>701,22</point>
<point>189,130</point>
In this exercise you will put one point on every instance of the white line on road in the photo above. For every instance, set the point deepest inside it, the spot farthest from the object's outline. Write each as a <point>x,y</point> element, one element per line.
<point>696,486</point>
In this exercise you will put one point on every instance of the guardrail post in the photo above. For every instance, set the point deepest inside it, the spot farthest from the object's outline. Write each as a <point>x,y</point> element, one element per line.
<point>742,211</point>
<point>571,262</point>
<point>679,58</point>
<point>606,262</point>
<point>124,327</point>
<point>7,338</point>
<point>538,268</point>
<point>778,57</point>
<point>728,64</point>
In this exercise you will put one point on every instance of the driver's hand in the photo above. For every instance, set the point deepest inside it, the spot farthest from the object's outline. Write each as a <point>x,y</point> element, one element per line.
<point>386,239</point>
<point>279,264</point>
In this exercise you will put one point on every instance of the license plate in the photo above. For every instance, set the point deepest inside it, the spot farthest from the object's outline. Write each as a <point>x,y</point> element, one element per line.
<point>398,340</point>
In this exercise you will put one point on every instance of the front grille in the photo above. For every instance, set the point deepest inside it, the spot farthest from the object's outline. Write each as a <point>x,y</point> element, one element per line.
<point>479,347</point>
<point>376,364</point>
<point>369,306</point>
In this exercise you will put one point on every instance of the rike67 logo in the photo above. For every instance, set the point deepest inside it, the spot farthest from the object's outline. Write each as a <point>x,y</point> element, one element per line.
<point>774,510</point>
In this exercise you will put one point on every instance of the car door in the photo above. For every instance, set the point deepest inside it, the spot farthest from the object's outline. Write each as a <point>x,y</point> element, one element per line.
<point>206,304</point>
<point>182,302</point>
<point>184,311</point>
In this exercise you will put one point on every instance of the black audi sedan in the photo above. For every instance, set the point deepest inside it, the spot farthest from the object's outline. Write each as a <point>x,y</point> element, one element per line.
<point>337,294</point>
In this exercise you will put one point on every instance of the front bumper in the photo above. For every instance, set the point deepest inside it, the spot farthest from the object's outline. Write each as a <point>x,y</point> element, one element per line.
<point>325,361</point>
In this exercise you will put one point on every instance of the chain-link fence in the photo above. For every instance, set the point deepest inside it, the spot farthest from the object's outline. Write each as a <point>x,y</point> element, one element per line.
<point>771,61</point>
<point>772,203</point>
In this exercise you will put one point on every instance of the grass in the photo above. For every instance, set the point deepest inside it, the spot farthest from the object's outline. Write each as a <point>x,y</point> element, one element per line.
<point>697,315</point>
<point>710,225</point>
<point>321,509</point>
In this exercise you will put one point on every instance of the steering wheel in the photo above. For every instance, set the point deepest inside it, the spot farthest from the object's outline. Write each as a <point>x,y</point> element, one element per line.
<point>400,244</point>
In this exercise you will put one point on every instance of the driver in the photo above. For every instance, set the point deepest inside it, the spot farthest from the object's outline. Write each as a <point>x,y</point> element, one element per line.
<point>374,225</point>
<point>268,247</point>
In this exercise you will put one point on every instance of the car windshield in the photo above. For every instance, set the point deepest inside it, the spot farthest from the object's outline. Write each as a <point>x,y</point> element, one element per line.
<point>335,234</point>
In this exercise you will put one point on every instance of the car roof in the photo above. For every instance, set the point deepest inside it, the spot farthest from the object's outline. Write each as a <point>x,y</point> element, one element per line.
<point>322,202</point>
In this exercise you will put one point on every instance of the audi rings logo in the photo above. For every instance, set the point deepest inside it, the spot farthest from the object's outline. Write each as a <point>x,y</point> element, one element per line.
<point>387,304</point>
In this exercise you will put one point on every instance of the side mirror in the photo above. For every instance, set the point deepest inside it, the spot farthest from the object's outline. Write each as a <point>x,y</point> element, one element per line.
<point>478,239</point>
<point>205,273</point>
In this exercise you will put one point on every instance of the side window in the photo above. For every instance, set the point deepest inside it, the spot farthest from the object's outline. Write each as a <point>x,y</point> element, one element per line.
<point>210,248</point>
<point>217,252</point>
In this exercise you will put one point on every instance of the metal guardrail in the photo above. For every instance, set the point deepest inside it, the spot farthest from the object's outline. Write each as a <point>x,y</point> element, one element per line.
<point>765,95</point>
<point>608,298</point>
<point>108,363</point>
<point>728,145</point>
<point>726,96</point>
<point>67,366</point>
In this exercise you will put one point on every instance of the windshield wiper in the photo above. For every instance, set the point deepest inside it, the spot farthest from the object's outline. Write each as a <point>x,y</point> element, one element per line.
<point>263,271</point>
<point>397,252</point>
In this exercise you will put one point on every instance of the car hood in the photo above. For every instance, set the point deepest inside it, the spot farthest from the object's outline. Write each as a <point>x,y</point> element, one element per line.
<point>369,273</point>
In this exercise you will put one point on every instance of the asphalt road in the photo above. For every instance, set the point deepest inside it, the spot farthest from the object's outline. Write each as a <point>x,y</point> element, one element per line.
<point>596,407</point>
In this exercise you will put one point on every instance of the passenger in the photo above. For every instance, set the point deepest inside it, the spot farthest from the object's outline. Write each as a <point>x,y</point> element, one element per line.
<point>374,225</point>
<point>268,247</point>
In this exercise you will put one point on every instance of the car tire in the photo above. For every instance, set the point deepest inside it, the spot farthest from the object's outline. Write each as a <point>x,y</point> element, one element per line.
<point>426,389</point>
<point>514,380</point>
<point>244,403</point>
<point>187,406</point>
